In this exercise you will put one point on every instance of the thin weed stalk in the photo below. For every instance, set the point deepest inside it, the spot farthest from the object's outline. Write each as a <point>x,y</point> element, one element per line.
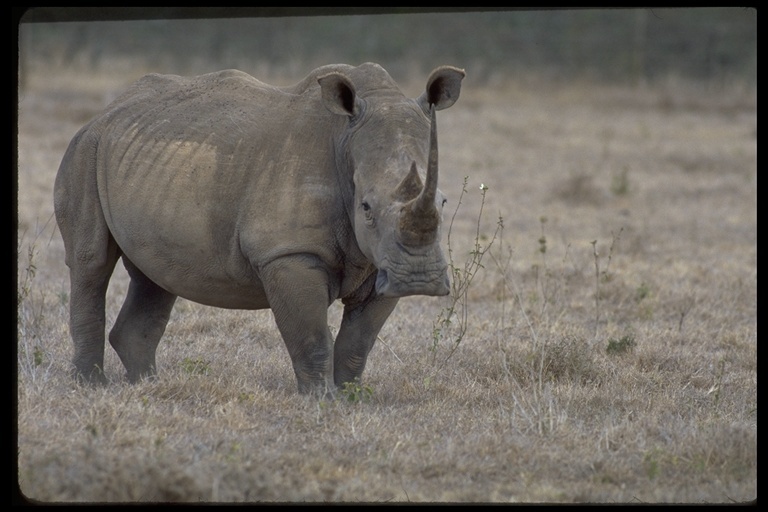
<point>614,239</point>
<point>510,285</point>
<point>454,317</point>
<point>30,311</point>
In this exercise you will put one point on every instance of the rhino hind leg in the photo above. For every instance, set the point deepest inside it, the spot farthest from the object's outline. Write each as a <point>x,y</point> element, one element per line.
<point>91,255</point>
<point>140,324</point>
<point>88,288</point>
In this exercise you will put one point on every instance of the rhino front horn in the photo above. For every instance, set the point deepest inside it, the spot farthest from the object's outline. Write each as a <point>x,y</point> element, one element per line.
<point>420,218</point>
<point>425,202</point>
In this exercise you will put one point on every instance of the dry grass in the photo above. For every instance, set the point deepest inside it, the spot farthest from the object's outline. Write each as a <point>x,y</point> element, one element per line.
<point>532,406</point>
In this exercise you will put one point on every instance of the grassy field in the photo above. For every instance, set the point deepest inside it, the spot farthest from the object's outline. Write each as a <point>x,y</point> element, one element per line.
<point>604,351</point>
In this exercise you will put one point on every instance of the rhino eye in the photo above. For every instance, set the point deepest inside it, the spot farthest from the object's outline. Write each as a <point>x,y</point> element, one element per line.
<point>444,201</point>
<point>368,213</point>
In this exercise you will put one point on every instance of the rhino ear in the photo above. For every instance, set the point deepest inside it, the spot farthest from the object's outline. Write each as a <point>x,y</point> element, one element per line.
<point>338,94</point>
<point>443,88</point>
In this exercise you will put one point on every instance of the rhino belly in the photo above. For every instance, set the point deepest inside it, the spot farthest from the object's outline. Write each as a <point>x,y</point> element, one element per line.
<point>188,251</point>
<point>193,271</point>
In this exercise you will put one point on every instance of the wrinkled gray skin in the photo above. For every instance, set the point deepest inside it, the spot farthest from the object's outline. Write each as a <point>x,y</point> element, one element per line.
<point>237,194</point>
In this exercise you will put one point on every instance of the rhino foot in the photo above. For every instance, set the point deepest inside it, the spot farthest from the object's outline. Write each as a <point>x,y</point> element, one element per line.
<point>95,376</point>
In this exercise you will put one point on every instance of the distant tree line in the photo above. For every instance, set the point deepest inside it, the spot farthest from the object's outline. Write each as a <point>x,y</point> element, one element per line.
<point>618,45</point>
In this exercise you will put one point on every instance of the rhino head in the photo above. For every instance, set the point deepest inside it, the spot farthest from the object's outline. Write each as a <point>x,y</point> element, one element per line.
<point>389,143</point>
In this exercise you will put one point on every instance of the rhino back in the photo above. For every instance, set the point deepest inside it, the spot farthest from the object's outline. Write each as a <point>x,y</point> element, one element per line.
<point>203,180</point>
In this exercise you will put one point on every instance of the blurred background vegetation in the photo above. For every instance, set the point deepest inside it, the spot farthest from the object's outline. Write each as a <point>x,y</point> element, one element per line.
<point>716,46</point>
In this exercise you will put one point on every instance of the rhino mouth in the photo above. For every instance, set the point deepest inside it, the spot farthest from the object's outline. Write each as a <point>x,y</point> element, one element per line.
<point>389,284</point>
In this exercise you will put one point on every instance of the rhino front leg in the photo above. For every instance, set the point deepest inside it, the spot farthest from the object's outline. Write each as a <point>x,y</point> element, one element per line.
<point>297,288</point>
<point>140,324</point>
<point>359,327</point>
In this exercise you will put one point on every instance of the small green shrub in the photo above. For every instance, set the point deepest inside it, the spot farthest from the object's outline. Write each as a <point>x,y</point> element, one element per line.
<point>354,392</point>
<point>620,346</point>
<point>642,292</point>
<point>652,463</point>
<point>37,356</point>
<point>196,366</point>
<point>620,182</point>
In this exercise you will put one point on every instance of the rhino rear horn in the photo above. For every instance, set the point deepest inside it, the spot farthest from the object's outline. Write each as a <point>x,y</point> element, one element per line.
<point>411,185</point>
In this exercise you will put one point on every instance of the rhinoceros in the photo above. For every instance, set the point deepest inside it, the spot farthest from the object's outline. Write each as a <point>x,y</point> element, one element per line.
<point>237,194</point>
